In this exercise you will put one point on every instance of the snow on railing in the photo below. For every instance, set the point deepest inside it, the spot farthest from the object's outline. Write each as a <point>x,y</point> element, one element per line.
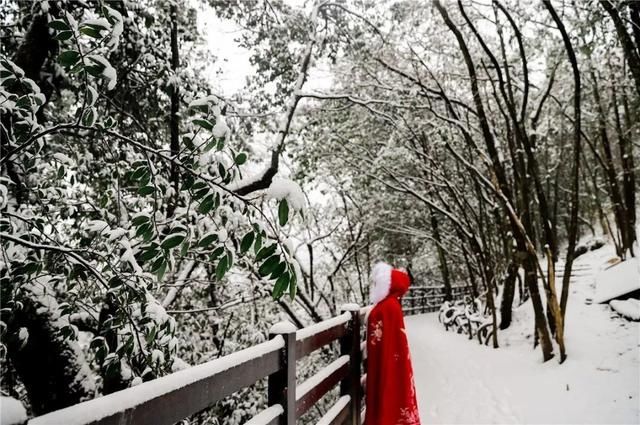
<point>333,414</point>
<point>312,330</point>
<point>177,396</point>
<point>127,402</point>
<point>267,416</point>
<point>428,298</point>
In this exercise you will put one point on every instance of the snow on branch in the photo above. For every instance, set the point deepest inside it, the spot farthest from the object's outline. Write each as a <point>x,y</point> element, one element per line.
<point>263,179</point>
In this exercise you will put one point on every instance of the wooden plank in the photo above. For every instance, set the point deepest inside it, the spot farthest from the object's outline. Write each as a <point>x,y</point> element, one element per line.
<point>342,417</point>
<point>281,386</point>
<point>338,413</point>
<point>350,386</point>
<point>306,346</point>
<point>271,414</point>
<point>309,398</point>
<point>164,401</point>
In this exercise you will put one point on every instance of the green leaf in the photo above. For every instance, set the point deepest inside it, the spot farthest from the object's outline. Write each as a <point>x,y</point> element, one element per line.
<point>178,228</point>
<point>210,145</point>
<point>241,158</point>
<point>63,35</point>
<point>269,265</point>
<point>69,57</point>
<point>220,145</point>
<point>229,259</point>
<point>222,171</point>
<point>172,240</point>
<point>258,244</point>
<point>148,234</point>
<point>184,248</point>
<point>207,240</point>
<point>109,122</point>
<point>162,270</point>
<point>143,228</point>
<point>7,81</point>
<point>59,25</point>
<point>95,70</point>
<point>89,117</point>
<point>280,286</point>
<point>139,172</point>
<point>90,31</point>
<point>148,255</point>
<point>265,252</point>
<point>206,124</point>
<point>246,242</point>
<point>206,204</point>
<point>217,252</point>
<point>95,25</point>
<point>139,220</point>
<point>187,182</point>
<point>24,102</point>
<point>278,270</point>
<point>92,95</point>
<point>221,269</point>
<point>31,268</point>
<point>146,190</point>
<point>156,264</point>
<point>283,212</point>
<point>61,172</point>
<point>292,286</point>
<point>200,193</point>
<point>145,179</point>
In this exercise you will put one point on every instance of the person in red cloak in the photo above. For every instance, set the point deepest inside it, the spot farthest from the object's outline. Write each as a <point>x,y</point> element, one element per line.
<point>390,390</point>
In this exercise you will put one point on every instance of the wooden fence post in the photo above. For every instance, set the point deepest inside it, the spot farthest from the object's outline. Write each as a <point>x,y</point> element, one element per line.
<point>282,384</point>
<point>350,345</point>
<point>412,294</point>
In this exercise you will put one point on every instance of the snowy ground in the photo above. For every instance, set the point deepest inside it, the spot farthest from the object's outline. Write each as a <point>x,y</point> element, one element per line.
<point>458,381</point>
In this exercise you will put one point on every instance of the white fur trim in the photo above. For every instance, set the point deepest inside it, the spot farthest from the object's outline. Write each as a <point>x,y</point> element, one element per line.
<point>381,279</point>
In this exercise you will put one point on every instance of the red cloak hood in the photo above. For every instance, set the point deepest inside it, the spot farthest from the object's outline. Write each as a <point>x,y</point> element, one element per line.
<point>390,391</point>
<point>388,281</point>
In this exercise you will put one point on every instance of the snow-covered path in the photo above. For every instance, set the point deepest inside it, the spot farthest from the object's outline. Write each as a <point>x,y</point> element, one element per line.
<point>458,381</point>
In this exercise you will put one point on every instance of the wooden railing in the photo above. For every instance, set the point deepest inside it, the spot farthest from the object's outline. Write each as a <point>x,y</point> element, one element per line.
<point>174,397</point>
<point>429,298</point>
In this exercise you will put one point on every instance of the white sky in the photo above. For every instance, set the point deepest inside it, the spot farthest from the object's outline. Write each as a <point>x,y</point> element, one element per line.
<point>233,60</point>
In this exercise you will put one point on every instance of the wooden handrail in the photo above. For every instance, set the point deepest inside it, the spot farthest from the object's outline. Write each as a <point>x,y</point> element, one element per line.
<point>174,397</point>
<point>169,399</point>
<point>317,336</point>
<point>321,383</point>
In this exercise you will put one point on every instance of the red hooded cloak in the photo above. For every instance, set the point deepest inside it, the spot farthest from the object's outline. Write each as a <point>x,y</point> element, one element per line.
<point>390,391</point>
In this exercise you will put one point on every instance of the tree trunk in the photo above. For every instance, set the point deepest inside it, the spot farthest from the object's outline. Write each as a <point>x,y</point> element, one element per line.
<point>444,268</point>
<point>575,183</point>
<point>174,122</point>
<point>610,171</point>
<point>542,330</point>
<point>508,293</point>
<point>553,306</point>
<point>51,367</point>
<point>628,171</point>
<point>630,52</point>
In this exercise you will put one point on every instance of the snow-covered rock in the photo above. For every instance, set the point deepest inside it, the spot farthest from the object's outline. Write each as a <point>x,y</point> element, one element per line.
<point>627,308</point>
<point>12,412</point>
<point>618,280</point>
